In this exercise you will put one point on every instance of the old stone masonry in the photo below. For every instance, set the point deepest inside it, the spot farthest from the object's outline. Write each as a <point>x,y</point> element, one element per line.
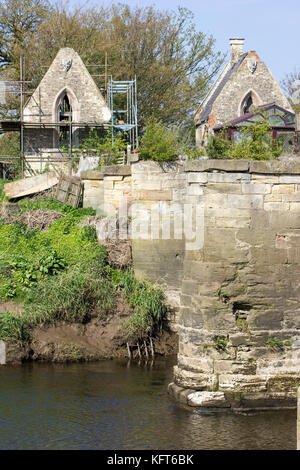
<point>236,294</point>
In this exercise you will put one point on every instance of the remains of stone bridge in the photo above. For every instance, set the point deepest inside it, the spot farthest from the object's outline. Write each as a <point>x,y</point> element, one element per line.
<point>236,291</point>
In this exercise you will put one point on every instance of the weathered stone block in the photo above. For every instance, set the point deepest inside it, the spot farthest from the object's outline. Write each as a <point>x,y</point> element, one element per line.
<point>234,367</point>
<point>256,188</point>
<point>92,175</point>
<point>194,380</point>
<point>211,164</point>
<point>197,177</point>
<point>201,365</point>
<point>228,178</point>
<point>283,188</point>
<point>116,170</point>
<point>276,206</point>
<point>152,195</point>
<point>241,383</point>
<point>292,179</point>
<point>246,201</point>
<point>195,190</point>
<point>208,400</point>
<point>275,167</point>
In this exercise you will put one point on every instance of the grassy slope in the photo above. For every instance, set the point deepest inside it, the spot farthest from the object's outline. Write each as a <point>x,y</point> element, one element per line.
<point>63,274</point>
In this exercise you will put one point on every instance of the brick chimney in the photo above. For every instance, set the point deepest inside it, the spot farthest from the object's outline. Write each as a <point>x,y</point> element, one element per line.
<point>236,45</point>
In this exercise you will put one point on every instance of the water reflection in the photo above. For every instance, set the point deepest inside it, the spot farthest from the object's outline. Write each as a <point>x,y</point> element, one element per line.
<point>116,405</point>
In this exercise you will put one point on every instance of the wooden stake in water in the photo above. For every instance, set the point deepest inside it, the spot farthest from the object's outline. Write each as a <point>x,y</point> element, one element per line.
<point>129,351</point>
<point>139,350</point>
<point>146,349</point>
<point>152,348</point>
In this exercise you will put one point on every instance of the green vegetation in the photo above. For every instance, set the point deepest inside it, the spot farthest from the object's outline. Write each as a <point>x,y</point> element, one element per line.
<point>63,275</point>
<point>274,343</point>
<point>158,143</point>
<point>13,328</point>
<point>256,143</point>
<point>220,342</point>
<point>242,325</point>
<point>99,144</point>
<point>222,296</point>
<point>218,147</point>
<point>70,352</point>
<point>147,301</point>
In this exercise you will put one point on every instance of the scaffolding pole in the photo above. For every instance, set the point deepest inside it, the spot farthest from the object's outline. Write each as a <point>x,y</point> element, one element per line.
<point>127,88</point>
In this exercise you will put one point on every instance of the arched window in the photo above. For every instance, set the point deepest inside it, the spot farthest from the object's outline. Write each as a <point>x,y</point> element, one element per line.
<point>247,104</point>
<point>64,116</point>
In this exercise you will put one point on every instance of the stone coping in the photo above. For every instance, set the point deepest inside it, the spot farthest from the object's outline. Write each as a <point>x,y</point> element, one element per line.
<point>112,170</point>
<point>288,166</point>
<point>92,175</point>
<point>284,166</point>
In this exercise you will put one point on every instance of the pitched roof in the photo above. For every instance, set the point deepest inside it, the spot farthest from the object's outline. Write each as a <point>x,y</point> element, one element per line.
<point>217,88</point>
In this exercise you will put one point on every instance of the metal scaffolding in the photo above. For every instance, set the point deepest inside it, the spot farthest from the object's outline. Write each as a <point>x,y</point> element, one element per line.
<point>129,123</point>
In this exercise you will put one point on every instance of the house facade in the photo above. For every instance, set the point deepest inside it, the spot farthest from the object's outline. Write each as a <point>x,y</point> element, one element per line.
<point>62,109</point>
<point>244,83</point>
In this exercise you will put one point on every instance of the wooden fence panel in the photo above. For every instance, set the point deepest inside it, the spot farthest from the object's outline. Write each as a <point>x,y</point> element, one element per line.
<point>69,190</point>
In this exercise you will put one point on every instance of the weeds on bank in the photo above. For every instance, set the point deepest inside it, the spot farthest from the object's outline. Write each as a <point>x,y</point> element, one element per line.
<point>63,275</point>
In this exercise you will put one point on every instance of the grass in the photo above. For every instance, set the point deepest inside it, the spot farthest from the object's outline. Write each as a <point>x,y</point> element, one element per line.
<point>274,343</point>
<point>14,328</point>
<point>63,275</point>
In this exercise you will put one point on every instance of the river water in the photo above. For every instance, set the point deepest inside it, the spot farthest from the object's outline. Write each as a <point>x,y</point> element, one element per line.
<point>117,405</point>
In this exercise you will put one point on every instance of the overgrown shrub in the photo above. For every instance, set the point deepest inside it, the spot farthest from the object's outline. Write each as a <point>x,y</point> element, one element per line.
<point>158,143</point>
<point>256,143</point>
<point>218,147</point>
<point>101,145</point>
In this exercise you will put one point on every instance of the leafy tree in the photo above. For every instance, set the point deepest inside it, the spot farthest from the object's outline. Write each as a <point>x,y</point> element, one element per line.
<point>173,62</point>
<point>158,143</point>
<point>291,86</point>
<point>18,21</point>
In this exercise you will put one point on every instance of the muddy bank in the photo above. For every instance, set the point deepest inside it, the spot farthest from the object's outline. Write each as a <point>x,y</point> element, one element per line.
<point>95,340</point>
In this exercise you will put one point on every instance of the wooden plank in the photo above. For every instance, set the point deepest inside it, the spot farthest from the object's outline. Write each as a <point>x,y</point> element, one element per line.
<point>34,184</point>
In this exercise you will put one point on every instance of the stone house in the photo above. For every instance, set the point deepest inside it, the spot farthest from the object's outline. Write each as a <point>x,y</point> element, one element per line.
<point>62,109</point>
<point>244,83</point>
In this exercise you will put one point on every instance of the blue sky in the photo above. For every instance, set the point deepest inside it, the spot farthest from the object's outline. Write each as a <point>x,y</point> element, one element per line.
<point>271,27</point>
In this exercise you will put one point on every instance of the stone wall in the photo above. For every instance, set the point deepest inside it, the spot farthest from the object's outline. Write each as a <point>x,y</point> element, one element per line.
<point>107,190</point>
<point>237,293</point>
<point>239,321</point>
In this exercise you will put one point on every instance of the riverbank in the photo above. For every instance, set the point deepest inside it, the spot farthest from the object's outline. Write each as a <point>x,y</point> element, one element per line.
<point>66,297</point>
<point>93,341</point>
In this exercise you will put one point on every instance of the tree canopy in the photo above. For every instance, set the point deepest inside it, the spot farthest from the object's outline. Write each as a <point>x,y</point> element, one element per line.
<point>291,86</point>
<point>173,62</point>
